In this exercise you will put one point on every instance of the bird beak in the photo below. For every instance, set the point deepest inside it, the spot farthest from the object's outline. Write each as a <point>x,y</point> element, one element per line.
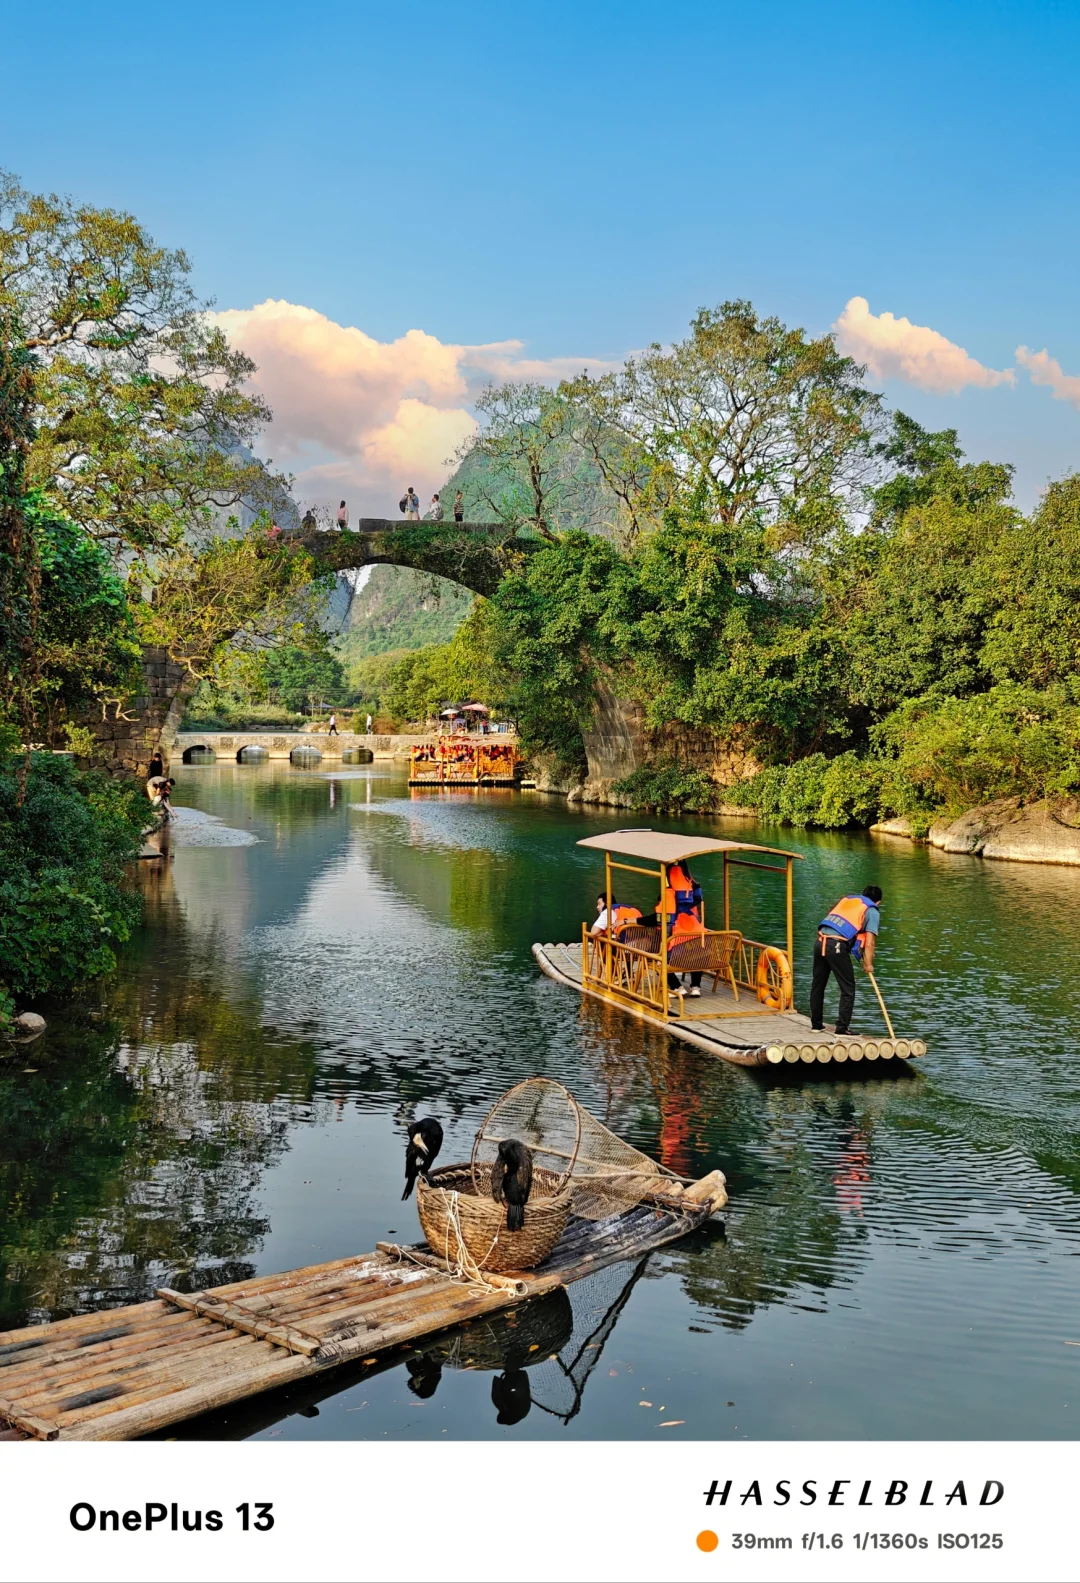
<point>420,1144</point>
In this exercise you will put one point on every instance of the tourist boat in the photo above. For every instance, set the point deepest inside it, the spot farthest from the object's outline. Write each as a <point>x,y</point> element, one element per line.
<point>464,761</point>
<point>746,1011</point>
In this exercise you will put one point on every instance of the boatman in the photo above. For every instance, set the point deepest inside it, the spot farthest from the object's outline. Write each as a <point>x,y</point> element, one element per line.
<point>850,930</point>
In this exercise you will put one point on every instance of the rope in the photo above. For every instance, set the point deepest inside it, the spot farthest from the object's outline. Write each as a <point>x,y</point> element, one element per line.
<point>461,1263</point>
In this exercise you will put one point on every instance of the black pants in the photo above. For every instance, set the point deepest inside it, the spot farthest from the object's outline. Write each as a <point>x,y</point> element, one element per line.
<point>836,959</point>
<point>673,981</point>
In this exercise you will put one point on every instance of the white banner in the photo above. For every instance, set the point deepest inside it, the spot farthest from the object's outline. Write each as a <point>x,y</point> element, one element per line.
<point>519,1510</point>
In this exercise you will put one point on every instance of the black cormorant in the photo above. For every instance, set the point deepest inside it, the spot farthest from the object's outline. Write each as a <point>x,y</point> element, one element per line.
<point>425,1141</point>
<point>511,1181</point>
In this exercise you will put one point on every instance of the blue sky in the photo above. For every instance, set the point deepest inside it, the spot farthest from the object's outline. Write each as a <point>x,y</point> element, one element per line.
<point>579,179</point>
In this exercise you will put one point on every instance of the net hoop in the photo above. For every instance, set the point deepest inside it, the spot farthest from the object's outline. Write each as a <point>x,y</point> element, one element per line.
<point>542,1086</point>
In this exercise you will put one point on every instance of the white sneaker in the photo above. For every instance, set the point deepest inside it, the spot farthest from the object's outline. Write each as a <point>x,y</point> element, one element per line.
<point>695,991</point>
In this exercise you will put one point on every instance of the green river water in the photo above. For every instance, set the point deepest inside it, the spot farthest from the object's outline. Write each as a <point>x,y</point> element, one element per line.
<point>328,954</point>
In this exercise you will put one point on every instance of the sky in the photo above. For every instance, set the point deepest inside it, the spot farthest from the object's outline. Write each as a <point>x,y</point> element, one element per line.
<point>392,205</point>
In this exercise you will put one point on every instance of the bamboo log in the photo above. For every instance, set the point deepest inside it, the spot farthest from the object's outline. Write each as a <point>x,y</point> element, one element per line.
<point>824,1052</point>
<point>29,1423</point>
<point>856,1050</point>
<point>236,1319</point>
<point>75,1359</point>
<point>903,1048</point>
<point>918,1047</point>
<point>151,1393</point>
<point>791,1052</point>
<point>807,1052</point>
<point>774,1054</point>
<point>839,1052</point>
<point>870,1050</point>
<point>156,1364</point>
<point>79,1323</point>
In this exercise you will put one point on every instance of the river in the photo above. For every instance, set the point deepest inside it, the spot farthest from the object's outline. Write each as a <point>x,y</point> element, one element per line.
<point>328,954</point>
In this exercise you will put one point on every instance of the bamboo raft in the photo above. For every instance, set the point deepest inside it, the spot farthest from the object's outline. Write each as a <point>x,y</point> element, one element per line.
<point>126,1372</point>
<point>764,1038</point>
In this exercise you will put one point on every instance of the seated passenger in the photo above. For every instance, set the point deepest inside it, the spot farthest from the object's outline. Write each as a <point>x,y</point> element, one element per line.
<point>621,916</point>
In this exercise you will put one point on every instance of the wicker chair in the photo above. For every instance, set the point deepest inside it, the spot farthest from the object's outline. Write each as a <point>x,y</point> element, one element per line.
<point>713,951</point>
<point>642,937</point>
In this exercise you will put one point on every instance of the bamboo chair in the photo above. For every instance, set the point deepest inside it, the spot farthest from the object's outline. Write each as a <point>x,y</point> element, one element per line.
<point>714,951</point>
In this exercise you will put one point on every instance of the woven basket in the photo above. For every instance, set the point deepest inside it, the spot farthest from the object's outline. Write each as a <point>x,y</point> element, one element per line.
<point>483,1221</point>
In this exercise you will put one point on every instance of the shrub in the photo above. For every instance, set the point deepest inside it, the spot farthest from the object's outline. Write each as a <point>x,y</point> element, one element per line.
<point>1012,741</point>
<point>829,793</point>
<point>669,787</point>
<point>63,851</point>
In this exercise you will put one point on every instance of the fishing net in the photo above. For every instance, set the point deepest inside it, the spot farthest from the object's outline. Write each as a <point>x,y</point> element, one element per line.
<point>607,1175</point>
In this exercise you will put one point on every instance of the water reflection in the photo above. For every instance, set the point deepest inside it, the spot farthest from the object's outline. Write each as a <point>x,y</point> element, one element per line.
<point>234,1103</point>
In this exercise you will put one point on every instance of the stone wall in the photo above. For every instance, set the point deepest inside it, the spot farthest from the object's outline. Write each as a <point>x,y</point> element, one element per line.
<point>619,741</point>
<point>130,731</point>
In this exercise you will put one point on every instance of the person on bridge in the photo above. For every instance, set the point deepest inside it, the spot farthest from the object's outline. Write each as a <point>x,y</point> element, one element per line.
<point>332,729</point>
<point>459,507</point>
<point>412,504</point>
<point>850,930</point>
<point>308,523</point>
<point>435,510</point>
<point>342,517</point>
<point>369,723</point>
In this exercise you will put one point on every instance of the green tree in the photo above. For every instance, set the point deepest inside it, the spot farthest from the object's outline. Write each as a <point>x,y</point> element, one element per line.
<point>141,420</point>
<point>1034,636</point>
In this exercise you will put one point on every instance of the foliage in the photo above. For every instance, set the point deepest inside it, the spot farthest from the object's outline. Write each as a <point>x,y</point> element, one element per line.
<point>302,678</point>
<point>828,792</point>
<point>399,608</point>
<point>667,786</point>
<point>233,589</point>
<point>527,459</point>
<point>755,424</point>
<point>141,418</point>
<point>1034,635</point>
<point>1011,741</point>
<point>63,847</point>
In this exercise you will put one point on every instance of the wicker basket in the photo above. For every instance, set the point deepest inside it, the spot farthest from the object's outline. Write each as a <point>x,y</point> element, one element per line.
<point>483,1221</point>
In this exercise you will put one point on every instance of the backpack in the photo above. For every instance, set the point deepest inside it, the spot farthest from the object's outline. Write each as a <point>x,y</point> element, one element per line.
<point>403,504</point>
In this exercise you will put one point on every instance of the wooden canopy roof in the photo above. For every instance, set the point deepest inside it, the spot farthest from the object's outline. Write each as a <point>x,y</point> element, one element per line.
<point>660,846</point>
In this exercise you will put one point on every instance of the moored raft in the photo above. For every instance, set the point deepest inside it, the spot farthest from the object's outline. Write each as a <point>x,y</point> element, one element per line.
<point>127,1372</point>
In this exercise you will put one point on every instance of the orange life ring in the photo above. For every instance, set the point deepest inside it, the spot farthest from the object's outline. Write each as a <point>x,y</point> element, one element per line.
<point>775,1001</point>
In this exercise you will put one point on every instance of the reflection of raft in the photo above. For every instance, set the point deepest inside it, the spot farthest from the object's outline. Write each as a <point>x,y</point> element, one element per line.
<point>131,1371</point>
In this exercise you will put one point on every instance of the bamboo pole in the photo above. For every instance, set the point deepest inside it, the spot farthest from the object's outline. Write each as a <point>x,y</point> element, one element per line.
<point>881,1002</point>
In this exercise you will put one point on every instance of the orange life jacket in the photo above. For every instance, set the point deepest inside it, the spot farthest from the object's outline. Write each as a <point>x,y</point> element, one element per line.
<point>685,927</point>
<point>681,895</point>
<point>848,918</point>
<point>622,917</point>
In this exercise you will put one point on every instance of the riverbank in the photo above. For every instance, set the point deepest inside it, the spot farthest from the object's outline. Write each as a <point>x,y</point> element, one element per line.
<point>1009,830</point>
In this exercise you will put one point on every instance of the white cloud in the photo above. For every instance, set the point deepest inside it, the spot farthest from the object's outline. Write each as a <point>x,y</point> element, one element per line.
<point>895,348</point>
<point>1046,370</point>
<point>361,417</point>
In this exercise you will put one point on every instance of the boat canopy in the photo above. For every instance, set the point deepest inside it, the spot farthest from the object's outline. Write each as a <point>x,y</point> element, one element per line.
<point>660,846</point>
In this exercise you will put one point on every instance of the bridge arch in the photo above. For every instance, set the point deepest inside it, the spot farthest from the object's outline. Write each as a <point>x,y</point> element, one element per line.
<point>476,555</point>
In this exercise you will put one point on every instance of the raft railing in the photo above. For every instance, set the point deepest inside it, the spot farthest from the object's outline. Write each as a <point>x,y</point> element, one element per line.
<point>634,973</point>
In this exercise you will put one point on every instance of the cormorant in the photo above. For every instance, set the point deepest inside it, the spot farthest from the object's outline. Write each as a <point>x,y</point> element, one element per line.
<point>511,1181</point>
<point>425,1141</point>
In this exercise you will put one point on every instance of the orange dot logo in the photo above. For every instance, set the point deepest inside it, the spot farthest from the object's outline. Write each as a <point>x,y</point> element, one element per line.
<point>707,1540</point>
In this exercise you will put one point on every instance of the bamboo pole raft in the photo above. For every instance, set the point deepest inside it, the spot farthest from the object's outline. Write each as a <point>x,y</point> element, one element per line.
<point>125,1372</point>
<point>735,1031</point>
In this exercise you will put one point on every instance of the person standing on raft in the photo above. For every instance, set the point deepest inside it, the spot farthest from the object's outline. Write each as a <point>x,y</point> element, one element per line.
<point>850,930</point>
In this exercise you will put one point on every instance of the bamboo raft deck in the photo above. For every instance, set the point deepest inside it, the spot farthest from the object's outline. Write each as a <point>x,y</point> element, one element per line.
<point>769,1038</point>
<point>126,1372</point>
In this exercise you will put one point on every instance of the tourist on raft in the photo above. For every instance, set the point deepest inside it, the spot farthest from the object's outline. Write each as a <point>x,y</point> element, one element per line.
<point>850,930</point>
<point>681,905</point>
<point>621,916</point>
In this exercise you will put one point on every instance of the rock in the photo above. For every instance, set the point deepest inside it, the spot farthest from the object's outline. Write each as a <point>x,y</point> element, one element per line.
<point>30,1023</point>
<point>1014,832</point>
<point>900,827</point>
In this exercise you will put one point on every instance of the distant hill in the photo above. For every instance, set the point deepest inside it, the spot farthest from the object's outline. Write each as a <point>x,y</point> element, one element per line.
<point>401,609</point>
